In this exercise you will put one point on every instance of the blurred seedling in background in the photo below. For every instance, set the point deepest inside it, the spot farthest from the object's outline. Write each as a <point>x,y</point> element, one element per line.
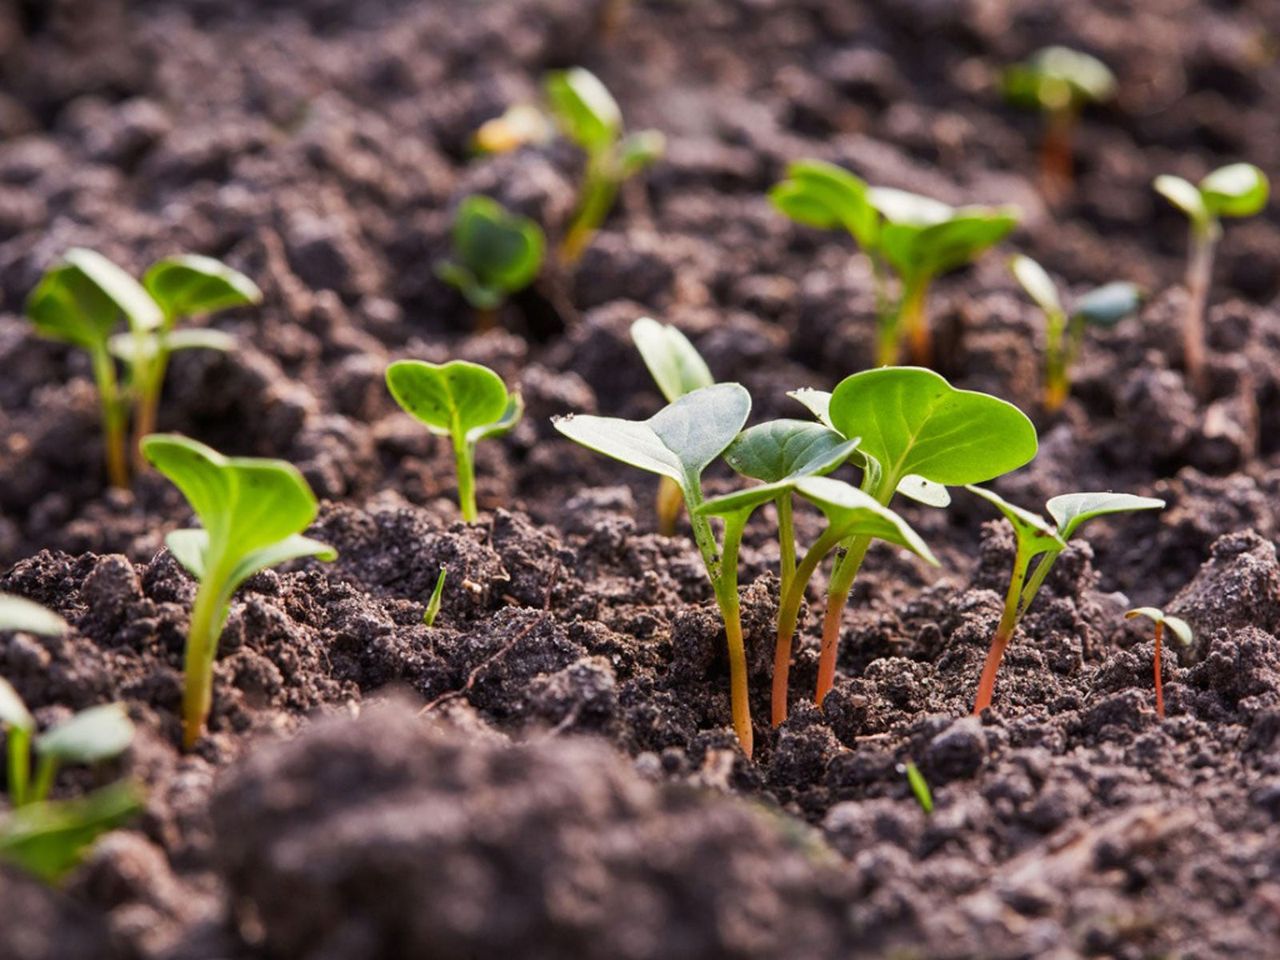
<point>1102,307</point>
<point>677,368</point>
<point>495,253</point>
<point>463,401</point>
<point>1236,190</point>
<point>1180,629</point>
<point>589,116</point>
<point>679,442</point>
<point>1060,83</point>
<point>252,513</point>
<point>433,605</point>
<point>1042,542</point>
<point>919,785</point>
<point>522,124</point>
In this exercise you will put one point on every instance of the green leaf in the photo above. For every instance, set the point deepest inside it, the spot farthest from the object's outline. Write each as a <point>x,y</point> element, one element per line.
<point>1056,78</point>
<point>1034,533</point>
<point>851,512</point>
<point>1180,628</point>
<point>937,249</point>
<point>452,398</point>
<point>679,441</point>
<point>504,424</point>
<point>912,421</point>
<point>640,150</point>
<point>1236,190</point>
<point>290,548</point>
<point>48,839</point>
<point>498,252</point>
<point>189,548</point>
<point>125,346</point>
<point>1107,305</point>
<point>129,296</point>
<point>1037,283</point>
<point>823,195</point>
<point>92,735</point>
<point>1183,195</point>
<point>433,605</point>
<point>674,363</point>
<point>904,208</point>
<point>66,305</point>
<point>788,449</point>
<point>584,108</point>
<point>1071,510</point>
<point>191,285</point>
<point>19,613</point>
<point>13,712</point>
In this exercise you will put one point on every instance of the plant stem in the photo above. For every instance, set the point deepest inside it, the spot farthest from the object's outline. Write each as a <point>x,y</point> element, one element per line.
<point>842,577</point>
<point>1013,607</point>
<point>19,765</point>
<point>669,503</point>
<point>202,647</point>
<point>599,189</point>
<point>1159,674</point>
<point>113,425</point>
<point>913,323</point>
<point>1056,384</point>
<point>146,406</point>
<point>789,616</point>
<point>1204,239</point>
<point>726,591</point>
<point>786,544</point>
<point>464,458</point>
<point>46,769</point>
<point>1056,164</point>
<point>486,318</point>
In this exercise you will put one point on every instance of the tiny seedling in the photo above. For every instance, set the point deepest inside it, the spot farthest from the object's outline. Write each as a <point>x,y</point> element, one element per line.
<point>1059,82</point>
<point>1236,190</point>
<point>677,368</point>
<point>253,512</point>
<point>433,605</point>
<point>919,786</point>
<point>460,400</point>
<point>1102,307</point>
<point>1178,627</point>
<point>1040,541</point>
<point>495,253</point>
<point>49,838</point>
<point>589,116</point>
<point>918,435</point>
<point>680,441</point>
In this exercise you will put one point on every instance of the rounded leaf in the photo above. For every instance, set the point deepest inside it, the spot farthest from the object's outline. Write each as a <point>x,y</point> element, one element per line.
<point>1183,195</point>
<point>449,398</point>
<point>500,250</point>
<point>191,285</point>
<point>1057,77</point>
<point>1180,629</point>
<point>1236,190</point>
<point>98,733</point>
<point>1071,510</point>
<point>1036,282</point>
<point>851,512</point>
<point>584,107</point>
<point>783,449</point>
<point>1034,534</point>
<point>823,195</point>
<point>66,305</point>
<point>960,240</point>
<point>1109,304</point>
<point>674,362</point>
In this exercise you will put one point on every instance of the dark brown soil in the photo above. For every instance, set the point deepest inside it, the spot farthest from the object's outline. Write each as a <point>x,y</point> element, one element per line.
<point>549,771</point>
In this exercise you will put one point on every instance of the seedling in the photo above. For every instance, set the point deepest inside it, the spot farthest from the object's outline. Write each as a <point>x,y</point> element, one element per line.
<point>19,613</point>
<point>589,116</point>
<point>1236,190</point>
<point>677,368</point>
<point>680,441</point>
<point>919,786</point>
<point>48,839</point>
<point>1040,541</point>
<point>1103,307</point>
<point>1180,629</point>
<point>252,511</point>
<point>495,253</point>
<point>79,301</point>
<point>460,400</point>
<point>919,434</point>
<point>433,605</point>
<point>1059,82</point>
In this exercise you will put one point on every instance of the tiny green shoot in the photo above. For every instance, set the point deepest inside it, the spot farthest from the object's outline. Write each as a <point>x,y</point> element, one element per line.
<point>919,786</point>
<point>1236,190</point>
<point>1178,627</point>
<point>1043,542</point>
<point>1103,307</point>
<point>253,512</point>
<point>433,605</point>
<point>49,838</point>
<point>464,401</point>
<point>495,253</point>
<point>589,116</point>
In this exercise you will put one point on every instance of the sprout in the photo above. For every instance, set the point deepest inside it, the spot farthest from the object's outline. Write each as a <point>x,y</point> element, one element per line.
<point>252,511</point>
<point>495,253</point>
<point>48,839</point>
<point>677,368</point>
<point>460,400</point>
<point>1104,306</point>
<point>19,613</point>
<point>591,118</point>
<point>1060,82</point>
<point>1037,538</point>
<point>1181,630</point>
<point>680,441</point>
<point>1236,190</point>
<point>919,786</point>
<point>433,605</point>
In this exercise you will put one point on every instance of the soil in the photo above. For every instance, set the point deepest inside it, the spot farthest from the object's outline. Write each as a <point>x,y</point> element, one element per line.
<point>549,770</point>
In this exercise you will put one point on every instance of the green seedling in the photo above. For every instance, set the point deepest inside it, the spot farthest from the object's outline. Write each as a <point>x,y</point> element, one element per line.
<point>252,512</point>
<point>460,400</point>
<point>80,301</point>
<point>1102,307</point>
<point>680,441</point>
<point>919,786</point>
<point>1040,541</point>
<point>1236,190</point>
<point>49,838</point>
<point>495,253</point>
<point>589,116</point>
<point>1178,627</point>
<point>19,613</point>
<point>677,368</point>
<point>919,435</point>
<point>1059,82</point>
<point>433,605</point>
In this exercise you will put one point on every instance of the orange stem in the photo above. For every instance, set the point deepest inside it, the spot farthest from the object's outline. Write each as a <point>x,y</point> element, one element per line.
<point>1159,676</point>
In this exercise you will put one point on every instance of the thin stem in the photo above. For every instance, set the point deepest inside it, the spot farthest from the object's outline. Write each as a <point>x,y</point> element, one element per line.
<point>1013,608</point>
<point>599,190</point>
<point>1159,673</point>
<point>1056,359</point>
<point>786,543</point>
<point>1057,172</point>
<point>1043,566</point>
<point>146,407</point>
<point>202,647</point>
<point>113,425</point>
<point>726,591</point>
<point>789,616</point>
<point>486,318</point>
<point>669,503</point>
<point>46,769</point>
<point>842,577</point>
<point>19,765</point>
<point>913,323</point>
<point>464,457</point>
<point>1204,239</point>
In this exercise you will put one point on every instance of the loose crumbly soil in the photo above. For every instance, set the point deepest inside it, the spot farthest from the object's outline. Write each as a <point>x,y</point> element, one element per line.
<point>549,771</point>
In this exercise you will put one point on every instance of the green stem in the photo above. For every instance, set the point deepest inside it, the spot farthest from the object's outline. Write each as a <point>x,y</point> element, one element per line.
<point>1013,609</point>
<point>599,190</point>
<point>19,765</point>
<point>726,591</point>
<point>113,418</point>
<point>46,769</point>
<point>149,386</point>
<point>202,646</point>
<point>789,616</point>
<point>786,543</point>
<point>913,323</point>
<point>1204,239</point>
<point>1043,567</point>
<point>1055,361</point>
<point>464,457</point>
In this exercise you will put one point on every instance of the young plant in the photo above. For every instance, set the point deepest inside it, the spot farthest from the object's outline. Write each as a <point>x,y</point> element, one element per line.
<point>48,839</point>
<point>1059,82</point>
<point>1103,306</point>
<point>919,786</point>
<point>460,400</point>
<point>1236,190</point>
<point>495,253</point>
<point>1038,540</point>
<point>677,368</point>
<point>680,441</point>
<point>253,512</point>
<point>1180,629</point>
<point>433,605</point>
<point>587,113</point>
<point>79,301</point>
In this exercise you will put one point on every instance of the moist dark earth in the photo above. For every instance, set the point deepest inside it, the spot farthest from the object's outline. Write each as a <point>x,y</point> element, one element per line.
<point>549,771</point>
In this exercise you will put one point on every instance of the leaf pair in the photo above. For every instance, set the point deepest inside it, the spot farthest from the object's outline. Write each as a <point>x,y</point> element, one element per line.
<point>1236,190</point>
<point>495,253</point>
<point>1057,79</point>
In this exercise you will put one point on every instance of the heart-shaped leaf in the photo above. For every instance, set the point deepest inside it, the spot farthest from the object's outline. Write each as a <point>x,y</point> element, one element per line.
<point>1071,510</point>
<point>675,364</point>
<point>1056,78</point>
<point>585,109</point>
<point>1107,305</point>
<point>1035,534</point>
<point>823,195</point>
<point>98,733</point>
<point>498,252</point>
<point>1236,190</point>
<point>190,285</point>
<point>449,398</point>
<point>19,613</point>
<point>1037,283</point>
<point>850,513</point>
<point>13,712</point>
<point>1179,627</point>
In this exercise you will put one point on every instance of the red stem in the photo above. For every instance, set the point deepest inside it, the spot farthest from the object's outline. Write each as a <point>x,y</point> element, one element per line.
<point>1159,673</point>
